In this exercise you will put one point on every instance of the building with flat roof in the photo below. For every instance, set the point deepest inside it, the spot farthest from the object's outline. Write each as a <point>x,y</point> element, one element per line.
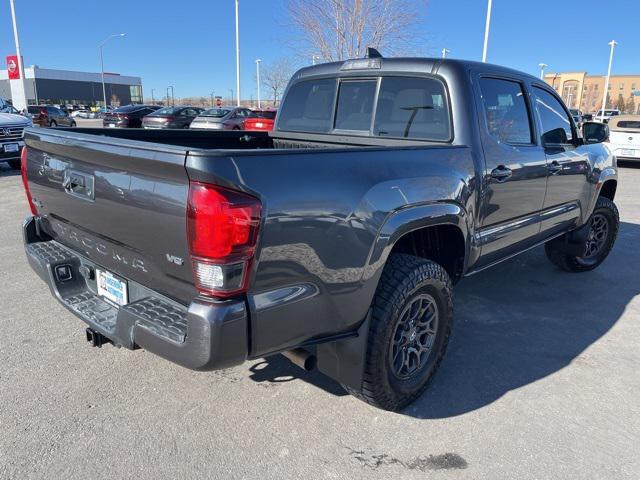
<point>49,86</point>
<point>585,92</point>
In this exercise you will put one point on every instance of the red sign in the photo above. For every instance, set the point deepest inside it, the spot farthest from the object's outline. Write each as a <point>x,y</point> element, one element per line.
<point>12,67</point>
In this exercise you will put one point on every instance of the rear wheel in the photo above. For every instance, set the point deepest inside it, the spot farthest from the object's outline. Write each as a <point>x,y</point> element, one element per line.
<point>410,326</point>
<point>603,230</point>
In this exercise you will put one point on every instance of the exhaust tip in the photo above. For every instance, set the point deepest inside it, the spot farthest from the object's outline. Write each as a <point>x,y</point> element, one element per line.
<point>302,358</point>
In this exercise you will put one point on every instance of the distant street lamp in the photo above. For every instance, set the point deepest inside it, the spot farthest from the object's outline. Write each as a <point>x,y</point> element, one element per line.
<point>237,56</point>
<point>258,78</point>
<point>104,90</point>
<point>153,100</point>
<point>212,100</point>
<point>173,98</point>
<point>612,44</point>
<point>445,52</point>
<point>542,67</point>
<point>486,32</point>
<point>231,90</point>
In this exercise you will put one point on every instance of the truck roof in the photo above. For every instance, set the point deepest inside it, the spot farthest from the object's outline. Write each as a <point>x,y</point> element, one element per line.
<point>404,65</point>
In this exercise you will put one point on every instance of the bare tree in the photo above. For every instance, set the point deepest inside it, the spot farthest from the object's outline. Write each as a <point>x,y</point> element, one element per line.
<point>275,77</point>
<point>341,29</point>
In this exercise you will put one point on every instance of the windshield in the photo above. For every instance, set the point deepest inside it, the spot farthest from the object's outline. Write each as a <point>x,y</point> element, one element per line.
<point>270,114</point>
<point>127,109</point>
<point>167,111</point>
<point>215,112</point>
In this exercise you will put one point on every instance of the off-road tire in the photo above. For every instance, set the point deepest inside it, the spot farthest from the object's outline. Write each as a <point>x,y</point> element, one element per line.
<point>606,209</point>
<point>404,278</point>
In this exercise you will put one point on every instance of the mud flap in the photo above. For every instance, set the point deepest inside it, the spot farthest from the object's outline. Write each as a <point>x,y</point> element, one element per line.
<point>343,360</point>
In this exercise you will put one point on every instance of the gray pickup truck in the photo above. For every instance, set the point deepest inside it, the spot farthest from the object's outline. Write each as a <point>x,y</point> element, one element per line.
<point>336,238</point>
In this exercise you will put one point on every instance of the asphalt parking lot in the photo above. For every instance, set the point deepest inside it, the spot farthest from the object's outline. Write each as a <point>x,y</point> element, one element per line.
<point>540,382</point>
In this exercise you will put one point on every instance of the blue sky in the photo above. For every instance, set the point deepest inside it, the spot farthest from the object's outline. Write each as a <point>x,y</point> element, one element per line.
<point>190,44</point>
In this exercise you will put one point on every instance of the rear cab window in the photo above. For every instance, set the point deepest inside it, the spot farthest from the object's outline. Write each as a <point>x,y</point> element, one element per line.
<point>384,107</point>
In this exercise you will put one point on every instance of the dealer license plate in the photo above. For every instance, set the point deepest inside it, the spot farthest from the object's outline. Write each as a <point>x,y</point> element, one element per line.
<point>111,287</point>
<point>627,153</point>
<point>11,147</point>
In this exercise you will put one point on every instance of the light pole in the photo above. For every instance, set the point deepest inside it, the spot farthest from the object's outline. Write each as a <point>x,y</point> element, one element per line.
<point>153,101</point>
<point>231,90</point>
<point>542,67</point>
<point>445,52</point>
<point>104,90</point>
<point>173,99</point>
<point>21,101</point>
<point>212,91</point>
<point>486,32</point>
<point>237,56</point>
<point>258,78</point>
<point>612,44</point>
<point>314,58</point>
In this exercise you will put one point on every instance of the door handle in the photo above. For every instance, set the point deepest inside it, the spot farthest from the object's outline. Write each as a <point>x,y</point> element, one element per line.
<point>554,167</point>
<point>501,173</point>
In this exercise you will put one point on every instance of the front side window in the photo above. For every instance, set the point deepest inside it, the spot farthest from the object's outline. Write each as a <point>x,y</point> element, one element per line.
<point>506,111</point>
<point>413,108</point>
<point>556,125</point>
<point>308,107</point>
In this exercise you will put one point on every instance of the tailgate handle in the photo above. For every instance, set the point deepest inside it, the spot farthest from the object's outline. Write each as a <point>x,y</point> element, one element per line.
<point>78,184</point>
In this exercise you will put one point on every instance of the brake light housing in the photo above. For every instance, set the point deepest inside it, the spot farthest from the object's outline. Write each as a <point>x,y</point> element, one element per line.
<point>222,229</point>
<point>25,182</point>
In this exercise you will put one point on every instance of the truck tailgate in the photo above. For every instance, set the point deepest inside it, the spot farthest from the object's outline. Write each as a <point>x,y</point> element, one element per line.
<point>120,203</point>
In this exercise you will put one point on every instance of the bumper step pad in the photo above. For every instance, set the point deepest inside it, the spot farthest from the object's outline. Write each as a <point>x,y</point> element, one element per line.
<point>160,317</point>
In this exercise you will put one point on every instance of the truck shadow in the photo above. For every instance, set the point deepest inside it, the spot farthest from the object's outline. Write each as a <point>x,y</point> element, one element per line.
<point>525,320</point>
<point>516,323</point>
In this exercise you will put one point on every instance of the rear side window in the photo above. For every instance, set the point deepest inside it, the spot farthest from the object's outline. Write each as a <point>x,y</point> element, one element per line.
<point>308,107</point>
<point>628,124</point>
<point>412,108</point>
<point>355,105</point>
<point>556,124</point>
<point>506,111</point>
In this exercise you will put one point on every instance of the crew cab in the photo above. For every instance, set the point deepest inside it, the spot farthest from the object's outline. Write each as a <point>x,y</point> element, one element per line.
<point>334,239</point>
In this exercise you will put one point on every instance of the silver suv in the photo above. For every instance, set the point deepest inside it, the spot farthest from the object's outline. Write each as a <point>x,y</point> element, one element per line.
<point>12,126</point>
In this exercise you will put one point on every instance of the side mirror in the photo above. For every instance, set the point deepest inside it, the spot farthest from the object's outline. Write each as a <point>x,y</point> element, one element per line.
<point>595,132</point>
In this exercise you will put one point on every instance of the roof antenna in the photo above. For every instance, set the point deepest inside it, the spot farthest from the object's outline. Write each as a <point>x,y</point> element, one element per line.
<point>373,53</point>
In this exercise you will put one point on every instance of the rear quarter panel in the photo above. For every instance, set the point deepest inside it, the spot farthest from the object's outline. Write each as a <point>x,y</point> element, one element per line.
<point>323,212</point>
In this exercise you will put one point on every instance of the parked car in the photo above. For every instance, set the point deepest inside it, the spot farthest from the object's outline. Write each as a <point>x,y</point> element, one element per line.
<point>82,114</point>
<point>12,126</point>
<point>48,116</point>
<point>261,120</point>
<point>577,115</point>
<point>172,117</point>
<point>624,137</point>
<point>129,116</point>
<point>606,116</point>
<point>222,118</point>
<point>336,237</point>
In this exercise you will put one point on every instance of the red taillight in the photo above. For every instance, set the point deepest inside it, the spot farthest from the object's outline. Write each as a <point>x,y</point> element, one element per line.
<point>222,227</point>
<point>23,169</point>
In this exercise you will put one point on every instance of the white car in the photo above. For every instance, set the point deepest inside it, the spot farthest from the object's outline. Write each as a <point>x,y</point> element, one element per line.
<point>624,137</point>
<point>82,114</point>
<point>605,116</point>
